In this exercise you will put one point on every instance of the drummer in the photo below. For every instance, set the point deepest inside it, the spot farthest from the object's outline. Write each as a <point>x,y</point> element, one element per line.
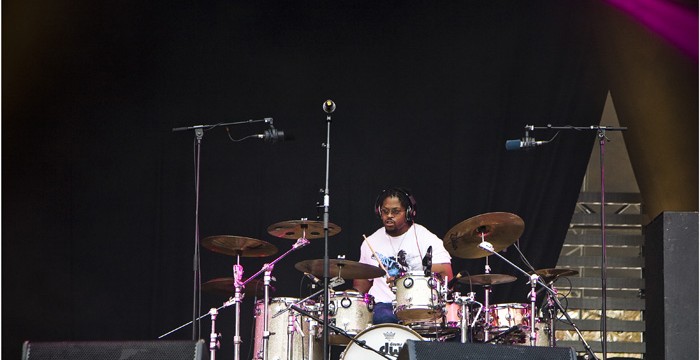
<point>400,246</point>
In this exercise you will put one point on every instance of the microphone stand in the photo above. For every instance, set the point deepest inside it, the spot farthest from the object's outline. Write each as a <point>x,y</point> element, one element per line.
<point>601,129</point>
<point>534,278</point>
<point>326,205</point>
<point>196,267</point>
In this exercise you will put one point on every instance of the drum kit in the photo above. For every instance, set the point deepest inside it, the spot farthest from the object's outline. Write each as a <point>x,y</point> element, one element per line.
<point>428,307</point>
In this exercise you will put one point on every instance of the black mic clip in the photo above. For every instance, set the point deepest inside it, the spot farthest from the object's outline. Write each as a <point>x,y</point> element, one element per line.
<point>428,262</point>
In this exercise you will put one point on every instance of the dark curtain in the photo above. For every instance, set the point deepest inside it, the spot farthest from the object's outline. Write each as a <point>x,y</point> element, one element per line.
<point>98,193</point>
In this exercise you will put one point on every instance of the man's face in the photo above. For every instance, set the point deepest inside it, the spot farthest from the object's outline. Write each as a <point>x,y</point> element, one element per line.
<point>394,216</point>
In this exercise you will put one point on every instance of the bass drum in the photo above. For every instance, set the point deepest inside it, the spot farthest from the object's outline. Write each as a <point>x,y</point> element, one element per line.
<point>388,339</point>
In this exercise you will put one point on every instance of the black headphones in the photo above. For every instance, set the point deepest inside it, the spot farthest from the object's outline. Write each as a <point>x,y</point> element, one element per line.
<point>410,210</point>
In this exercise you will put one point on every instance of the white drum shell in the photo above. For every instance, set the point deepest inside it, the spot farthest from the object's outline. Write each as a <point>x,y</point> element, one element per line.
<point>418,297</point>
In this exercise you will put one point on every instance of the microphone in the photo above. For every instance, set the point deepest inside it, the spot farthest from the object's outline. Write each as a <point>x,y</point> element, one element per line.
<point>314,279</point>
<point>273,135</point>
<point>454,280</point>
<point>328,106</point>
<point>524,143</point>
<point>428,262</point>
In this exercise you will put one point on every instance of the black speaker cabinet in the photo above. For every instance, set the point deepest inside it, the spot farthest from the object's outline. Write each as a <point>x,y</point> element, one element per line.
<point>116,350</point>
<point>422,350</point>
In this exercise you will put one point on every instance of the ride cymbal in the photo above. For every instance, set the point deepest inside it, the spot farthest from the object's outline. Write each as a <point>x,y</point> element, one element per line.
<point>224,286</point>
<point>239,246</point>
<point>553,274</point>
<point>295,229</point>
<point>345,268</point>
<point>498,228</point>
<point>487,279</point>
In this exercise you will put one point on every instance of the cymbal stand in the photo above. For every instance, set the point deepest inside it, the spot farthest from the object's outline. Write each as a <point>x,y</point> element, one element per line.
<point>485,245</point>
<point>465,328</point>
<point>533,309</point>
<point>551,315</point>
<point>267,269</point>
<point>214,336</point>
<point>487,292</point>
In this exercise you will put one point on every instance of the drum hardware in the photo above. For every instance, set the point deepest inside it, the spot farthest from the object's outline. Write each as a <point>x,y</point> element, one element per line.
<point>334,283</point>
<point>535,279</point>
<point>214,337</point>
<point>465,328</point>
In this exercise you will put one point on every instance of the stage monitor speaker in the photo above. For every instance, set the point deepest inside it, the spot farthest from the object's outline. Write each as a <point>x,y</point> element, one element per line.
<point>116,350</point>
<point>423,350</point>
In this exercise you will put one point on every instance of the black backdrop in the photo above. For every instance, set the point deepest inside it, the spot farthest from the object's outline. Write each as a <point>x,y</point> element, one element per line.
<point>98,193</point>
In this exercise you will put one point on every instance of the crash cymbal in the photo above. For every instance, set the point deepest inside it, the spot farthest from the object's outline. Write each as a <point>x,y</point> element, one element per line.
<point>224,286</point>
<point>239,245</point>
<point>499,228</point>
<point>552,274</point>
<point>346,268</point>
<point>294,229</point>
<point>487,279</point>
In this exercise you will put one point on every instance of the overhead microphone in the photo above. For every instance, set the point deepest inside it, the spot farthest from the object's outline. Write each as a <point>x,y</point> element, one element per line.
<point>273,135</point>
<point>314,279</point>
<point>328,106</point>
<point>525,142</point>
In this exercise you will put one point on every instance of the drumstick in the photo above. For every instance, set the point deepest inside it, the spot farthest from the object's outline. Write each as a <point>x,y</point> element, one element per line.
<point>375,255</point>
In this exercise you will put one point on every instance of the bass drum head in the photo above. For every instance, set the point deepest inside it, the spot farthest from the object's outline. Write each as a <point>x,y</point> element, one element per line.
<point>388,339</point>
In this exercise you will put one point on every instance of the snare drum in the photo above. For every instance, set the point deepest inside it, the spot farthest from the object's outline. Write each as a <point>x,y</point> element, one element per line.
<point>304,345</point>
<point>388,339</point>
<point>350,311</point>
<point>418,297</point>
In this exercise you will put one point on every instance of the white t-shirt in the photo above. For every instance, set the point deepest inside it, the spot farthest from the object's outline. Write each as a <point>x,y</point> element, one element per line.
<point>409,249</point>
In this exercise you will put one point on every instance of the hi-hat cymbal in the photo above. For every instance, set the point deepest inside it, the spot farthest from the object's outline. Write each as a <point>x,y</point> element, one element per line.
<point>339,267</point>
<point>499,228</point>
<point>487,279</point>
<point>239,246</point>
<point>295,229</point>
<point>224,286</point>
<point>553,274</point>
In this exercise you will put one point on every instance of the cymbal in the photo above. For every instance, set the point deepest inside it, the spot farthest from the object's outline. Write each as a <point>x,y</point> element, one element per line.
<point>345,268</point>
<point>239,245</point>
<point>224,286</point>
<point>487,279</point>
<point>294,229</point>
<point>499,228</point>
<point>553,274</point>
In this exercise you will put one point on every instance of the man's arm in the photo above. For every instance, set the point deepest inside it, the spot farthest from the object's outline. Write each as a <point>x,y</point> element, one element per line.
<point>361,285</point>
